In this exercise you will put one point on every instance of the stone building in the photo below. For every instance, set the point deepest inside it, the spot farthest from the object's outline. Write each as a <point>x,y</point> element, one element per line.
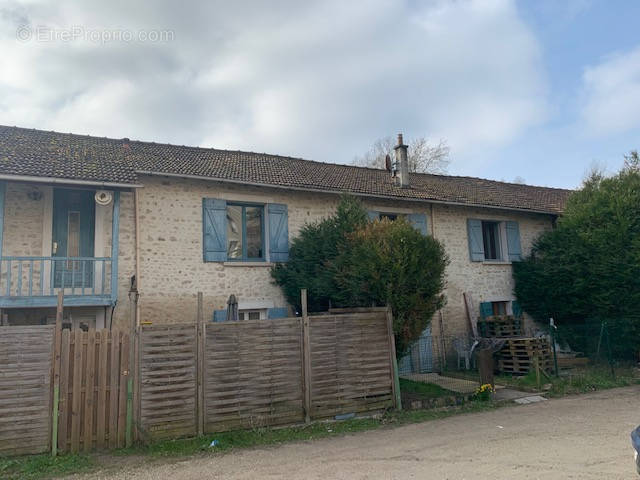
<point>101,217</point>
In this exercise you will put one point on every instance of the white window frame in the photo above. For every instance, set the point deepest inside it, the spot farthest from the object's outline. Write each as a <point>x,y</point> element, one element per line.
<point>245,312</point>
<point>502,234</point>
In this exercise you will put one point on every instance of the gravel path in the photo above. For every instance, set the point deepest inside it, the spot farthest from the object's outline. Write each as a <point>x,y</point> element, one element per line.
<point>582,437</point>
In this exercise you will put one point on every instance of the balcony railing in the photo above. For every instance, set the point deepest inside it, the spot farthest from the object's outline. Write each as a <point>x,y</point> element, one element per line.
<point>22,278</point>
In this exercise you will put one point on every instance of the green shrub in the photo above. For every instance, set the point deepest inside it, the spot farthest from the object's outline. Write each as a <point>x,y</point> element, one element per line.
<point>390,263</point>
<point>588,268</point>
<point>311,252</point>
<point>345,260</point>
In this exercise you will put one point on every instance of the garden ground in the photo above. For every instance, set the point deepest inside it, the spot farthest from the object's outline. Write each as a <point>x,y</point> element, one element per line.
<point>585,437</point>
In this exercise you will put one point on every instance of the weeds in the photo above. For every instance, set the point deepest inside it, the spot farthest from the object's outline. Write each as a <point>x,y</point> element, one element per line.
<point>39,466</point>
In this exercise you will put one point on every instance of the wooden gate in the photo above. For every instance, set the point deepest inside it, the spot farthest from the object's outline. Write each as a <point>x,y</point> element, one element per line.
<point>25,389</point>
<point>93,383</point>
<point>168,357</point>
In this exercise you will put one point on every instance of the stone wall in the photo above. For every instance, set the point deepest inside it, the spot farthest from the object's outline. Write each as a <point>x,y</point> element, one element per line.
<point>172,269</point>
<point>23,220</point>
<point>486,281</point>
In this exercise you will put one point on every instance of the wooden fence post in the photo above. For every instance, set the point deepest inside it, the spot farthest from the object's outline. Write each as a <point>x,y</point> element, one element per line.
<point>57,340</point>
<point>133,302</point>
<point>306,350</point>
<point>200,366</point>
<point>395,379</point>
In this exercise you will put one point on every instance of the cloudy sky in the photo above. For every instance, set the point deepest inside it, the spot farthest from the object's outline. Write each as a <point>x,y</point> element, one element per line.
<point>536,89</point>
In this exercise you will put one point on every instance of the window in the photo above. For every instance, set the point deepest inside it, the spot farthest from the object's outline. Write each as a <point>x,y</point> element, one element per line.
<point>245,232</point>
<point>491,240</point>
<point>495,308</point>
<point>499,308</point>
<point>73,239</point>
<point>237,232</point>
<point>391,216</point>
<point>252,314</point>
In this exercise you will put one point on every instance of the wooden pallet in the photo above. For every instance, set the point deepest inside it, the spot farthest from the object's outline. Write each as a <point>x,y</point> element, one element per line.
<point>500,326</point>
<point>518,355</point>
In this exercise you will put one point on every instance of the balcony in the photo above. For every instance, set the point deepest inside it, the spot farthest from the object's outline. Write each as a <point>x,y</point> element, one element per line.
<point>36,281</point>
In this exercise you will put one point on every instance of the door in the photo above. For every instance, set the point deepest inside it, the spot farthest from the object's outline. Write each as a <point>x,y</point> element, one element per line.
<point>73,236</point>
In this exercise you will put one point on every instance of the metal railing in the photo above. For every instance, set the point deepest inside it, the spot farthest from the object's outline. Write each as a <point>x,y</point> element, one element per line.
<point>44,276</point>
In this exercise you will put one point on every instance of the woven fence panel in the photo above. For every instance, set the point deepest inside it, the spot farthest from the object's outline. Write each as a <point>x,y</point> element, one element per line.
<point>168,382</point>
<point>350,364</point>
<point>25,389</point>
<point>253,374</point>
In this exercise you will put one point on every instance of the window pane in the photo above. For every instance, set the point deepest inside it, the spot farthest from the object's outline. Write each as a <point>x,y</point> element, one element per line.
<point>254,232</point>
<point>499,308</point>
<point>234,231</point>
<point>73,239</point>
<point>389,216</point>
<point>490,238</point>
<point>254,315</point>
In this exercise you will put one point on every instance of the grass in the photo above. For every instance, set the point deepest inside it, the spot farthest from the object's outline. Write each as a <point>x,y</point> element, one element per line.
<point>41,466</point>
<point>44,466</point>
<point>583,380</point>
<point>277,436</point>
<point>427,390</point>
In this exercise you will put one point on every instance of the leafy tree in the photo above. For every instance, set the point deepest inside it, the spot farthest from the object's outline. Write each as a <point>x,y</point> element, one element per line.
<point>345,260</point>
<point>588,268</point>
<point>390,263</point>
<point>310,254</point>
<point>423,156</point>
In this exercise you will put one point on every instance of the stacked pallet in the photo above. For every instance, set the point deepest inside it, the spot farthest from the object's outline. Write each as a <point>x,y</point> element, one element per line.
<point>519,353</point>
<point>500,326</point>
<point>518,356</point>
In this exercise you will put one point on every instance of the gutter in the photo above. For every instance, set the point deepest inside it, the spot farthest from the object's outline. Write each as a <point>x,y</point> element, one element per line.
<point>338,192</point>
<point>55,180</point>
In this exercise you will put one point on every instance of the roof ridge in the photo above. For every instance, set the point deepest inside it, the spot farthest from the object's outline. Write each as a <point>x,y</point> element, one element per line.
<point>284,157</point>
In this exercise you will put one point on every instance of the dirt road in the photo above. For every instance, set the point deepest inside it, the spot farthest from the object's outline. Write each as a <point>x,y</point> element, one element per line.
<point>584,437</point>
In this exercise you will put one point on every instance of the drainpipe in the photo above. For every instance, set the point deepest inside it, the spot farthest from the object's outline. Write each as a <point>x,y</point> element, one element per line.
<point>136,204</point>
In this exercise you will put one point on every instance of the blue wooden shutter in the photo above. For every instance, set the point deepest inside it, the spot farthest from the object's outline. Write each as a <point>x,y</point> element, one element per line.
<point>486,309</point>
<point>476,246</point>
<point>219,315</point>
<point>419,222</point>
<point>516,309</point>
<point>513,241</point>
<point>277,312</point>
<point>214,229</point>
<point>373,215</point>
<point>278,232</point>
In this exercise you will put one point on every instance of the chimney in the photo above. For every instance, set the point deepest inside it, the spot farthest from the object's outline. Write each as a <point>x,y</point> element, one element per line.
<point>402,163</point>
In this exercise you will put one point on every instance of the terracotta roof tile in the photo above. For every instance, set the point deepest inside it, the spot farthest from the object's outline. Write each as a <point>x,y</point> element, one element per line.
<point>51,154</point>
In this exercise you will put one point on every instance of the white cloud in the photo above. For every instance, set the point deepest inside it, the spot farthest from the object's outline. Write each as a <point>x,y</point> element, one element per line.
<point>611,94</point>
<point>315,79</point>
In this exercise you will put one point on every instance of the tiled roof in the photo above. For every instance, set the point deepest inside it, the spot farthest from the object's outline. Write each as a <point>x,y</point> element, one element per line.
<point>50,154</point>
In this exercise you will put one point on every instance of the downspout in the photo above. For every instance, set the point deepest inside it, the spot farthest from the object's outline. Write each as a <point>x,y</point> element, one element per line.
<point>440,314</point>
<point>136,202</point>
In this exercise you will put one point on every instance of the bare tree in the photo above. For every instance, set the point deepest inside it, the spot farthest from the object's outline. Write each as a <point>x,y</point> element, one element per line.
<point>632,161</point>
<point>424,157</point>
<point>519,180</point>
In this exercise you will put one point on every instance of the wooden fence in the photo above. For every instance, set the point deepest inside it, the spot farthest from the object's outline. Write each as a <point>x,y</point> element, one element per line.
<point>351,369</point>
<point>168,394</point>
<point>212,377</point>
<point>73,390</point>
<point>25,389</point>
<point>253,374</point>
<point>93,380</point>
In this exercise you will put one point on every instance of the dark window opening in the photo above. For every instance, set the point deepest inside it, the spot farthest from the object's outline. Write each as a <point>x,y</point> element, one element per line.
<point>491,240</point>
<point>499,308</point>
